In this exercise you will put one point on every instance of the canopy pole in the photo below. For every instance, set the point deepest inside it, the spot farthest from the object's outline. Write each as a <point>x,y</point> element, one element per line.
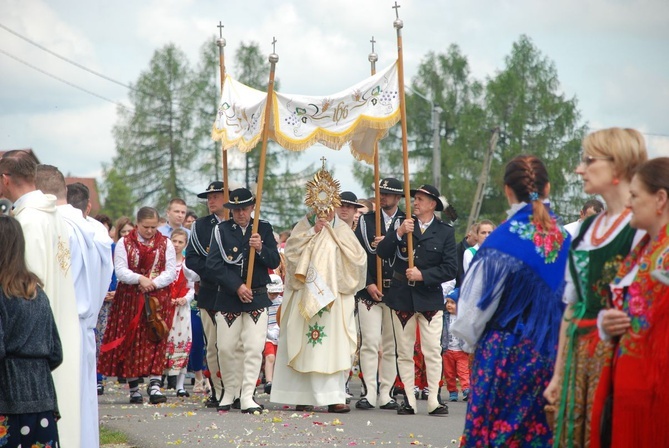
<point>398,25</point>
<point>373,57</point>
<point>273,59</point>
<point>220,42</point>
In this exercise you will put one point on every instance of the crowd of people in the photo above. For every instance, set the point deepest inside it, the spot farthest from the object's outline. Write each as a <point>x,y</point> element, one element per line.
<point>554,335</point>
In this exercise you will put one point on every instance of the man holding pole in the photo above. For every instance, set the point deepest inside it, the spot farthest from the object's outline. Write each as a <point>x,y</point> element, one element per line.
<point>415,296</point>
<point>243,309</point>
<point>374,316</point>
<point>196,258</point>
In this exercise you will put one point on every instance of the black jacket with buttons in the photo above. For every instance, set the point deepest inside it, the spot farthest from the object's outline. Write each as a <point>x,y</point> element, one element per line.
<point>434,256</point>
<point>196,259</point>
<point>366,232</point>
<point>231,273</point>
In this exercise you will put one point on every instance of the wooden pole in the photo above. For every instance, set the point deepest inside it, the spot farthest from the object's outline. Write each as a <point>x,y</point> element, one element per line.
<point>220,42</point>
<point>483,179</point>
<point>398,24</point>
<point>373,57</point>
<point>273,59</point>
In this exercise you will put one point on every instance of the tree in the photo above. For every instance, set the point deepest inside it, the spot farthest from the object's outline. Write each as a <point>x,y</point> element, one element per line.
<point>118,195</point>
<point>156,142</point>
<point>534,117</point>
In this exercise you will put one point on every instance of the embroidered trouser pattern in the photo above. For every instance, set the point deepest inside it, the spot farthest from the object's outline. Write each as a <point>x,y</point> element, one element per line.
<point>209,330</point>
<point>405,336</point>
<point>240,345</point>
<point>377,334</point>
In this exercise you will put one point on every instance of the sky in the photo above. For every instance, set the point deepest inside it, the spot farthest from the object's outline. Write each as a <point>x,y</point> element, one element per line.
<point>610,54</point>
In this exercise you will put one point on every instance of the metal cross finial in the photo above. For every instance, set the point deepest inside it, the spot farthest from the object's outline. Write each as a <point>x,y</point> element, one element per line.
<point>220,27</point>
<point>273,44</point>
<point>373,42</point>
<point>397,12</point>
<point>323,159</point>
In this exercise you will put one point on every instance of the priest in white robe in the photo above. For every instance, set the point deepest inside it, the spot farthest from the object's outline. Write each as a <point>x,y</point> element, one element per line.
<point>48,256</point>
<point>326,266</point>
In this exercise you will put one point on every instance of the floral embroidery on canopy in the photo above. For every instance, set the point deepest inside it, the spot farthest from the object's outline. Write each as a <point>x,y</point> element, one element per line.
<point>546,243</point>
<point>360,116</point>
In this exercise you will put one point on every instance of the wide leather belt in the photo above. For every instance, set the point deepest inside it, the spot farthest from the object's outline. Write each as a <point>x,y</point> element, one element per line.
<point>403,278</point>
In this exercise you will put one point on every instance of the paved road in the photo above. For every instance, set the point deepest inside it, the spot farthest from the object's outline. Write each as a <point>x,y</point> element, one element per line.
<point>185,421</point>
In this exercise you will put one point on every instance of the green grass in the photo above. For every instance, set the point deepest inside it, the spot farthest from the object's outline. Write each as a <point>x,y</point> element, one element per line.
<point>109,436</point>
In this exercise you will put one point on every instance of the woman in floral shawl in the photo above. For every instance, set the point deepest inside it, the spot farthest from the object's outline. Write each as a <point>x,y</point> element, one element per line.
<point>641,317</point>
<point>509,314</point>
<point>610,157</point>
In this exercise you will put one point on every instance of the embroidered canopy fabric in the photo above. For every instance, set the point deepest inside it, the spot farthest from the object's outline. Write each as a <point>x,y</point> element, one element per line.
<point>360,115</point>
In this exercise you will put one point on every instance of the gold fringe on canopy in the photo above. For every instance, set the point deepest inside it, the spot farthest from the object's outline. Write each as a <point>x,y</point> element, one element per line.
<point>360,116</point>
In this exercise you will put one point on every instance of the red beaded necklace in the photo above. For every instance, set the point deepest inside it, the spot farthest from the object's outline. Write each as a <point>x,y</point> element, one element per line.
<point>594,240</point>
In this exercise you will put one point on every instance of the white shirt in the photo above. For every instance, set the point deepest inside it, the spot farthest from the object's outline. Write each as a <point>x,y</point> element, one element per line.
<point>125,275</point>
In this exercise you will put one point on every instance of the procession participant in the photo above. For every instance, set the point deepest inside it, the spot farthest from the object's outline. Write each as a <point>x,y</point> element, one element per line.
<point>509,314</point>
<point>175,217</point>
<point>91,267</point>
<point>196,258</point>
<point>348,208</point>
<point>133,346</point>
<point>483,229</point>
<point>468,241</point>
<point>191,217</point>
<point>641,317</point>
<point>415,296</point>
<point>325,268</point>
<point>48,257</point>
<point>180,339</point>
<point>30,348</point>
<point>275,292</point>
<point>609,159</point>
<point>243,311</point>
<point>591,207</point>
<point>374,316</point>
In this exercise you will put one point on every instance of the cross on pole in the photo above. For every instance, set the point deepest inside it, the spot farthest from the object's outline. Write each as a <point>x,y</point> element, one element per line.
<point>323,159</point>
<point>373,42</point>
<point>273,44</point>
<point>397,12</point>
<point>220,27</point>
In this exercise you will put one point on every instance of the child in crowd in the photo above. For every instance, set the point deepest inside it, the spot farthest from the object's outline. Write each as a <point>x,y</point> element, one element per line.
<point>275,293</point>
<point>180,339</point>
<point>456,361</point>
<point>484,228</point>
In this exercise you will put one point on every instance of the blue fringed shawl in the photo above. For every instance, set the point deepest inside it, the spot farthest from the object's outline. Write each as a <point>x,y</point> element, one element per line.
<point>532,281</point>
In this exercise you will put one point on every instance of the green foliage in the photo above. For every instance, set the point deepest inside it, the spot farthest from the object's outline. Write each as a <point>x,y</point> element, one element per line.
<point>156,142</point>
<point>523,99</point>
<point>118,195</point>
<point>110,436</point>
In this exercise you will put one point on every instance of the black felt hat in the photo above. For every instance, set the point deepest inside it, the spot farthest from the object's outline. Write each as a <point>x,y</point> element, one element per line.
<point>240,198</point>
<point>348,197</point>
<point>390,185</point>
<point>430,191</point>
<point>214,187</point>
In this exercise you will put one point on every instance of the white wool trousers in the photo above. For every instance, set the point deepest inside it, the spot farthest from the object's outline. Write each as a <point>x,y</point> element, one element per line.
<point>376,333</point>
<point>430,344</point>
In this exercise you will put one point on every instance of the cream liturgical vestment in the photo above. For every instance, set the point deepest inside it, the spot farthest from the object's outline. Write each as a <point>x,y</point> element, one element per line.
<point>318,335</point>
<point>90,249</point>
<point>48,256</point>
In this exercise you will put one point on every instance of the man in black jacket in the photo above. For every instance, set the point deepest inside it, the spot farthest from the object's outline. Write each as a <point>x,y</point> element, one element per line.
<point>196,257</point>
<point>374,316</point>
<point>243,310</point>
<point>415,295</point>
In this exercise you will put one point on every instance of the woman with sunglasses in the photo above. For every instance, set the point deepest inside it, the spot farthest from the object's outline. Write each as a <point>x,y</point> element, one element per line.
<point>610,157</point>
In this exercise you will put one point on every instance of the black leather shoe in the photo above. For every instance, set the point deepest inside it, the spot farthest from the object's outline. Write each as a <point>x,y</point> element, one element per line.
<point>252,410</point>
<point>136,399</point>
<point>101,389</point>
<point>268,387</point>
<point>304,408</point>
<point>405,409</point>
<point>339,408</point>
<point>182,393</point>
<point>223,408</point>
<point>363,404</point>
<point>392,405</point>
<point>440,410</point>
<point>211,402</point>
<point>236,404</point>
